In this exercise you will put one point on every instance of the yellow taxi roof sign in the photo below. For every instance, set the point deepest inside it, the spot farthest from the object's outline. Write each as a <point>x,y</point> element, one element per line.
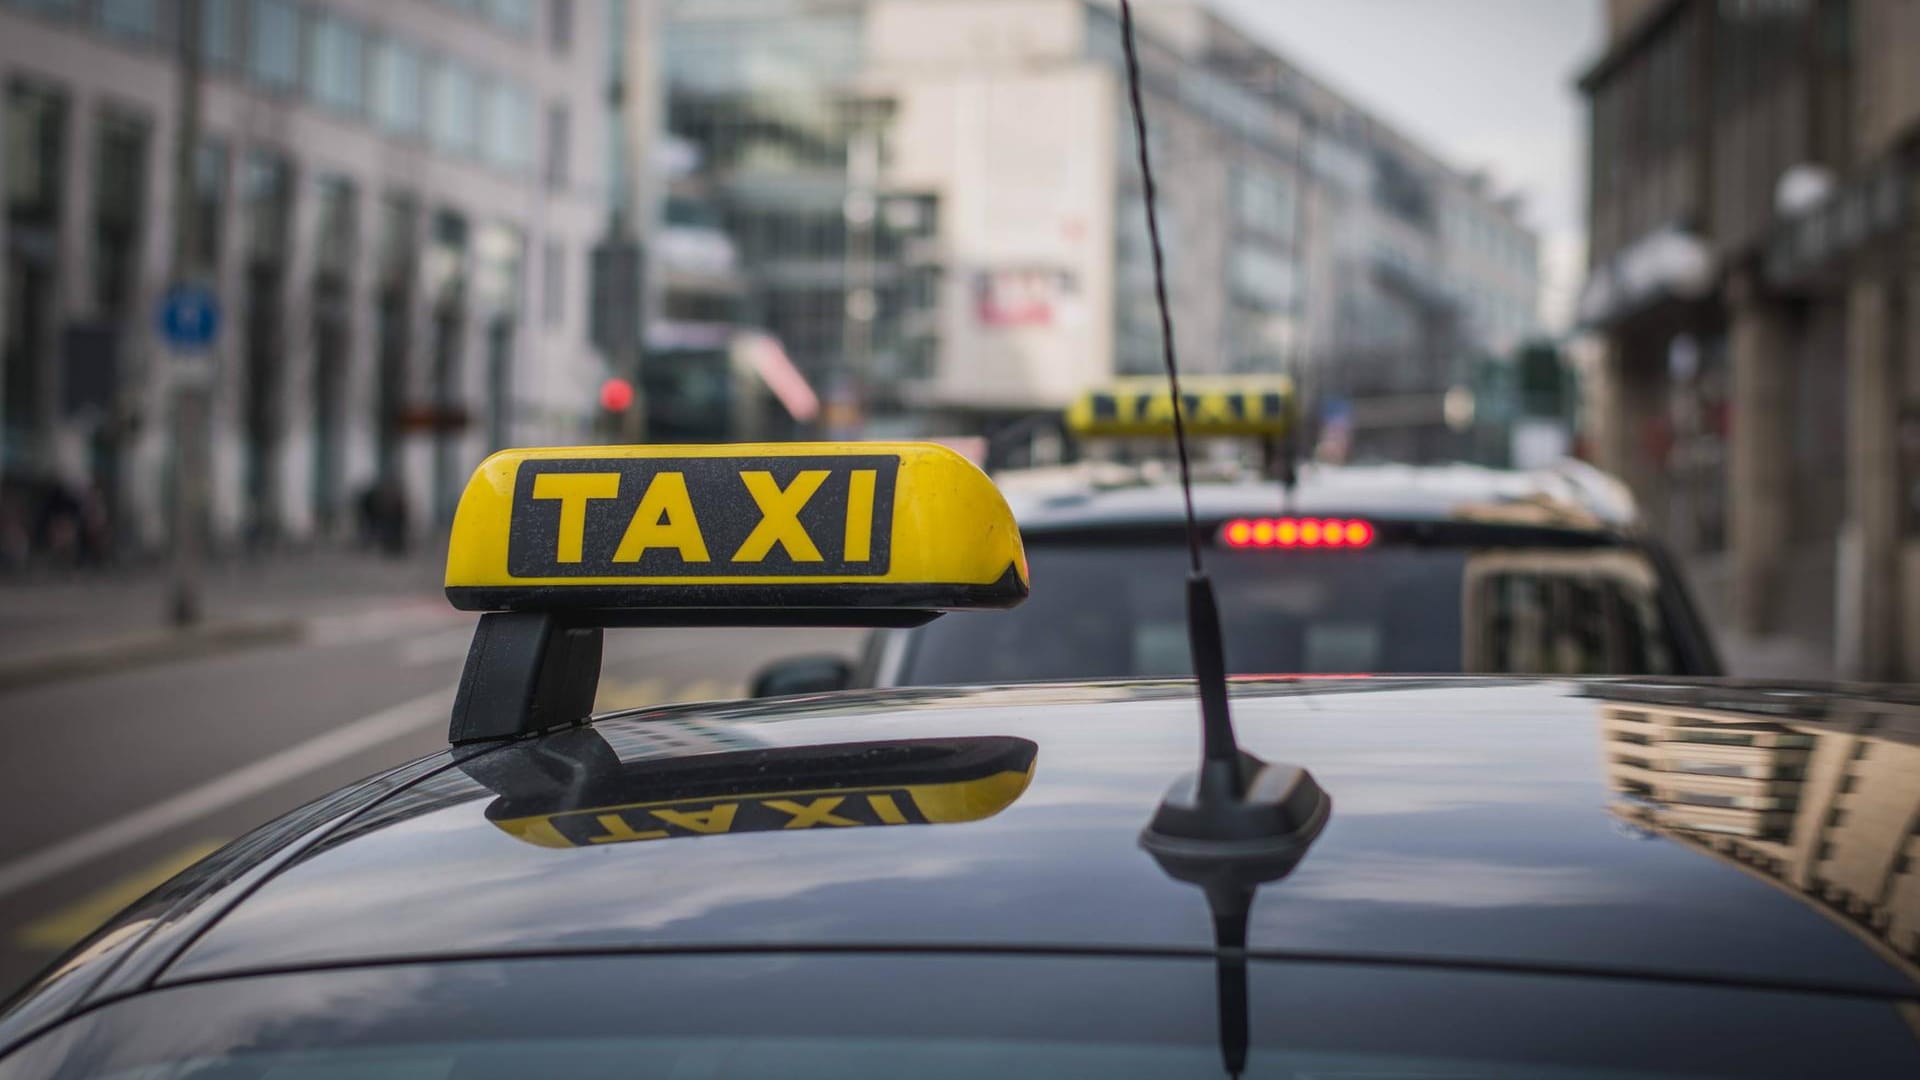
<point>766,526</point>
<point>1212,406</point>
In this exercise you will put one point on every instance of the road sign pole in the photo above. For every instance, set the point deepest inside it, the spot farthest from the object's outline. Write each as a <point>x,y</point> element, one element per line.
<point>191,413</point>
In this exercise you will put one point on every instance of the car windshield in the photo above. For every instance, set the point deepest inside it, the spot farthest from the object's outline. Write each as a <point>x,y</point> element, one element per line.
<point>1118,611</point>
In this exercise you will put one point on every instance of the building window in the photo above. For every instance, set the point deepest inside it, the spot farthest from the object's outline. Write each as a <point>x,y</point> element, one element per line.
<point>559,144</point>
<point>334,58</point>
<point>266,186</point>
<point>273,43</point>
<point>119,197</point>
<point>216,32</point>
<point>36,141</point>
<point>509,127</point>
<point>553,283</point>
<point>398,86</point>
<point>65,8</point>
<point>456,115</point>
<point>1264,201</point>
<point>209,197</point>
<point>560,24</point>
<point>514,16</point>
<point>134,18</point>
<point>398,224</point>
<point>339,216</point>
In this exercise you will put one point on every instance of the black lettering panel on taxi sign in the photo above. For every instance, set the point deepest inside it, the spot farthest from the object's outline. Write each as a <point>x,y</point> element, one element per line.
<point>829,515</point>
<point>710,817</point>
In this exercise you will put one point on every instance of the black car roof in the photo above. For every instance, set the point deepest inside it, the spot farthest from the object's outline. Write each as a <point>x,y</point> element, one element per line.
<point>1507,824</point>
<point>1572,496</point>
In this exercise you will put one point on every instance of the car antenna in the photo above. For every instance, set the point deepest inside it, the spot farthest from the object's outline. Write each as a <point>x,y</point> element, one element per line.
<point>1235,799</point>
<point>1238,822</point>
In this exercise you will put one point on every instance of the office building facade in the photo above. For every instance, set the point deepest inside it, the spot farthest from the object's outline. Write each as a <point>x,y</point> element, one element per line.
<point>1752,219</point>
<point>394,204</point>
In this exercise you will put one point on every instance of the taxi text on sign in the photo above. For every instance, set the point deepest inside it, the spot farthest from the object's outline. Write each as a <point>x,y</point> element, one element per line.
<point>755,516</point>
<point>657,521</point>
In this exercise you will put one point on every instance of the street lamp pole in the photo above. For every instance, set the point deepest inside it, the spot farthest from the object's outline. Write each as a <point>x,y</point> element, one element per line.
<point>191,388</point>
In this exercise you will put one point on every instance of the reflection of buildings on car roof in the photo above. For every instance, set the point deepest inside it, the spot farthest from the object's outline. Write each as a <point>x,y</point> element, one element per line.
<point>1827,805</point>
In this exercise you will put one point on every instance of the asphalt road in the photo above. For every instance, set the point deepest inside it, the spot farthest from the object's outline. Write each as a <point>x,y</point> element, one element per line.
<point>111,782</point>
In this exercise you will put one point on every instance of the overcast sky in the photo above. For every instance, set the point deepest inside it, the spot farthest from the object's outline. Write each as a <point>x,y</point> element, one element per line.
<point>1482,83</point>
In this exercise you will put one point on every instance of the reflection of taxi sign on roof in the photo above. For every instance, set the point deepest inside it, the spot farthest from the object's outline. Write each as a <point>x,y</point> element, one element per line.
<point>557,544</point>
<point>852,525</point>
<point>1211,406</point>
<point>852,785</point>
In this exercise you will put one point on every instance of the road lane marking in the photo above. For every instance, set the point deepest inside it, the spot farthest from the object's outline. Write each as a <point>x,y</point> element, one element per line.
<point>244,783</point>
<point>71,922</point>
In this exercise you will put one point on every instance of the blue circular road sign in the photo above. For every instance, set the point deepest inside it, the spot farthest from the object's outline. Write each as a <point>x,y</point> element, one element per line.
<point>189,316</point>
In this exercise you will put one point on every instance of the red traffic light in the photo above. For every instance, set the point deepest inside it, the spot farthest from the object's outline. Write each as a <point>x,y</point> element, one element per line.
<point>616,394</point>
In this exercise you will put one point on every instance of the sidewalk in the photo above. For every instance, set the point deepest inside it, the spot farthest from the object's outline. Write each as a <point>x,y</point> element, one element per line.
<point>86,622</point>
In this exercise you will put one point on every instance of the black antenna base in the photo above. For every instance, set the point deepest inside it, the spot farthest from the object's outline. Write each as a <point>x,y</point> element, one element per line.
<point>1279,813</point>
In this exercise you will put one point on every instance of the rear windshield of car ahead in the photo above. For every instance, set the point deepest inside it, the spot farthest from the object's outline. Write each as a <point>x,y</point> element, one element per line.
<point>1118,611</point>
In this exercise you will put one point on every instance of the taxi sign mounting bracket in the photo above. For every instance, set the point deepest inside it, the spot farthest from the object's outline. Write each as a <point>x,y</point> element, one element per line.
<point>527,672</point>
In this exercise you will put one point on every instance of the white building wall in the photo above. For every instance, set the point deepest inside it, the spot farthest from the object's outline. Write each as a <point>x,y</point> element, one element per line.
<point>989,145</point>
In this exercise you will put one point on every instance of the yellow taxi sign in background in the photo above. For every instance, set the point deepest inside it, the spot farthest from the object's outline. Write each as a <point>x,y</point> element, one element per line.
<point>1221,405</point>
<point>759,525</point>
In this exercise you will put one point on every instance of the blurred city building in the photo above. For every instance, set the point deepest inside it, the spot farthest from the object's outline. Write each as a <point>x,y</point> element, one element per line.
<point>396,203</point>
<point>1753,275</point>
<point>938,209</point>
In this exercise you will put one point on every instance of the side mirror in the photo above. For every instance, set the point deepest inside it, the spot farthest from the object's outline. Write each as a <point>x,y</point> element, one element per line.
<point>803,675</point>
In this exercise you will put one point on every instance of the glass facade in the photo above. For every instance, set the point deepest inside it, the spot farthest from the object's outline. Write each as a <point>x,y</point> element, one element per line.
<point>218,25</point>
<point>509,141</point>
<point>134,18</point>
<point>266,187</point>
<point>1264,202</point>
<point>273,43</point>
<point>36,142</point>
<point>335,241</point>
<point>64,8</point>
<point>36,134</point>
<point>335,67</point>
<point>119,205</point>
<point>209,199</point>
<point>763,102</point>
<point>399,87</point>
<point>456,113</point>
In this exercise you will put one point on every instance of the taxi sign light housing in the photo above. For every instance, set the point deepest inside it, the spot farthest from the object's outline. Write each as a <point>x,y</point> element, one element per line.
<point>553,545</point>
<point>1212,406</point>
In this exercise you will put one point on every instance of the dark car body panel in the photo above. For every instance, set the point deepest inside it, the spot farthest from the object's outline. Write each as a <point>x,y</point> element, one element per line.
<point>1475,822</point>
<point>131,950</point>
<point>950,1015</point>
